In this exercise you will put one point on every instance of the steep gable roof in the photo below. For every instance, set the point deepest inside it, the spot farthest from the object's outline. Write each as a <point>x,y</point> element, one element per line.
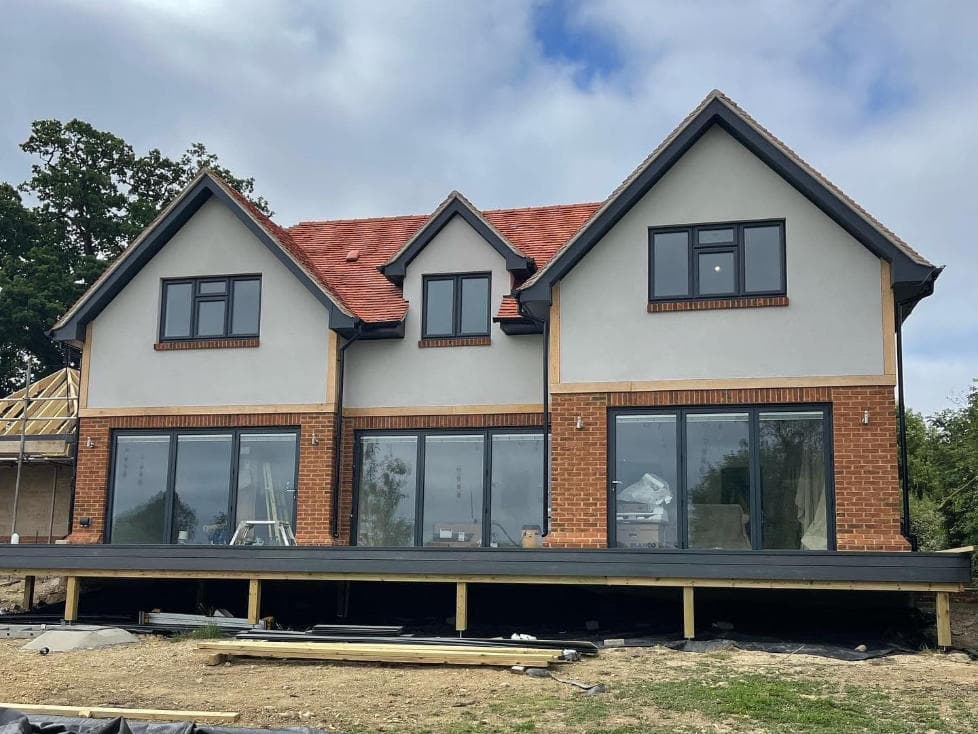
<point>538,232</point>
<point>456,205</point>
<point>71,326</point>
<point>913,275</point>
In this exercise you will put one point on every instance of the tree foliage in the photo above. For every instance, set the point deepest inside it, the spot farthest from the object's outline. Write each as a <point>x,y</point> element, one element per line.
<point>943,460</point>
<point>90,195</point>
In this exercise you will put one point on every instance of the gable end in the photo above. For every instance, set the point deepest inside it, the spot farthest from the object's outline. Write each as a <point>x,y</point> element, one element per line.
<point>455,206</point>
<point>71,327</point>
<point>912,278</point>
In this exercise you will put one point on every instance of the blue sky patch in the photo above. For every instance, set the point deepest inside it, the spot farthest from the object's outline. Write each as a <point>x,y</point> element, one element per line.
<point>563,39</point>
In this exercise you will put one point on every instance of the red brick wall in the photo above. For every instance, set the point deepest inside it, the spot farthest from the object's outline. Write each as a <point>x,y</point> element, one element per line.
<point>410,422</point>
<point>315,465</point>
<point>867,487</point>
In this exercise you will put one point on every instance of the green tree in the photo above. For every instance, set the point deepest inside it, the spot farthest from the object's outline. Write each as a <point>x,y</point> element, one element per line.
<point>954,446</point>
<point>93,195</point>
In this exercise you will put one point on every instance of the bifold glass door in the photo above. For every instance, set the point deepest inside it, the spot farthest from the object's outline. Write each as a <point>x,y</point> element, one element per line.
<point>448,488</point>
<point>176,486</point>
<point>734,479</point>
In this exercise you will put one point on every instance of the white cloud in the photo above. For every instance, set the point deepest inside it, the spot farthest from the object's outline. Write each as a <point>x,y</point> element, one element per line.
<point>365,108</point>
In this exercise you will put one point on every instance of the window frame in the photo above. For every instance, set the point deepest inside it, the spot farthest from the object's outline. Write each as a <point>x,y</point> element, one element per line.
<point>171,478</point>
<point>196,298</point>
<point>756,495</point>
<point>737,246</point>
<point>420,434</point>
<point>456,279</point>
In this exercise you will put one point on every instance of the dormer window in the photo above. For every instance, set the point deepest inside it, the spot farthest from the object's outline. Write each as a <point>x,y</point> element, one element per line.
<point>455,305</point>
<point>210,308</point>
<point>713,261</point>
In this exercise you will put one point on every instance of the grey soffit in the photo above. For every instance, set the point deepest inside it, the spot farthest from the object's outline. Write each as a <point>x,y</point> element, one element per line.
<point>912,280</point>
<point>889,567</point>
<point>396,269</point>
<point>73,328</point>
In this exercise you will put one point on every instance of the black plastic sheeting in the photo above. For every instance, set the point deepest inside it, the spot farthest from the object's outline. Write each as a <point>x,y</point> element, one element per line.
<point>15,722</point>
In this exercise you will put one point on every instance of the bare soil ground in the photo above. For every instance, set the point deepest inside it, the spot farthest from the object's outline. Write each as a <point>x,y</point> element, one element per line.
<point>649,690</point>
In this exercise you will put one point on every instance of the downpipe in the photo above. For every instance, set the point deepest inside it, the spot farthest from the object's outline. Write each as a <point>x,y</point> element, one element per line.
<point>338,436</point>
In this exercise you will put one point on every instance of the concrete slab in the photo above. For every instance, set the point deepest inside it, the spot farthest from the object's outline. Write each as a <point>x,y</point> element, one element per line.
<point>67,639</point>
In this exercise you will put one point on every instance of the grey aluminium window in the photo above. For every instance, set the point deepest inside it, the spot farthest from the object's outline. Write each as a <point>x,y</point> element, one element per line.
<point>455,305</point>
<point>192,486</point>
<point>210,308</point>
<point>709,261</point>
<point>447,488</point>
<point>730,477</point>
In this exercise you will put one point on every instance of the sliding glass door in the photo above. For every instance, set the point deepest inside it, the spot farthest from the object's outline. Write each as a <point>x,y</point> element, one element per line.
<point>726,478</point>
<point>176,486</point>
<point>448,488</point>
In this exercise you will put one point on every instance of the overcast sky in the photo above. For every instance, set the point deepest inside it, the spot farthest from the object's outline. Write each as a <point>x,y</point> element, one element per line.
<point>342,109</point>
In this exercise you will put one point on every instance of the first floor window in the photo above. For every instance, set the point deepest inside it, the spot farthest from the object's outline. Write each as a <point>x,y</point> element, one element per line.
<point>210,308</point>
<point>717,261</point>
<point>193,487</point>
<point>449,488</point>
<point>722,478</point>
<point>455,305</point>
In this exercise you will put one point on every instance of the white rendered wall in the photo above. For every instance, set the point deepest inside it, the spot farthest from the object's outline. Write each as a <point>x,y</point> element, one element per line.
<point>289,367</point>
<point>399,373</point>
<point>833,325</point>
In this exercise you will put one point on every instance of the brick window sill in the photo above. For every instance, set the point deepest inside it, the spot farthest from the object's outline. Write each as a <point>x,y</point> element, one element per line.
<point>713,304</point>
<point>206,344</point>
<point>460,341</point>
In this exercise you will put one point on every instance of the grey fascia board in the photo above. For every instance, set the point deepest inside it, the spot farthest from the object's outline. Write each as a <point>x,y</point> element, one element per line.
<point>891,567</point>
<point>905,269</point>
<point>397,268</point>
<point>74,328</point>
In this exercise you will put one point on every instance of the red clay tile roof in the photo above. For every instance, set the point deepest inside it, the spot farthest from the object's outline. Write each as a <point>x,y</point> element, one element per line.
<point>538,232</point>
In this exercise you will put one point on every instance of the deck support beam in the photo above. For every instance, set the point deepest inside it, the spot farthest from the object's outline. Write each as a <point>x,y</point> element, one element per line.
<point>689,617</point>
<point>461,606</point>
<point>943,607</point>
<point>254,601</point>
<point>28,603</point>
<point>72,592</point>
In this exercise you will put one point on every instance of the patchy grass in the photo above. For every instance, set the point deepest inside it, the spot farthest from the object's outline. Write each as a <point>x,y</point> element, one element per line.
<point>207,632</point>
<point>777,704</point>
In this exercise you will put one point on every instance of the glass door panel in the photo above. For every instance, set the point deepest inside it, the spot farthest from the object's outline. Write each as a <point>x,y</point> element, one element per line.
<point>202,489</point>
<point>453,497</point>
<point>646,481</point>
<point>718,480</point>
<point>387,490</point>
<point>794,495</point>
<point>139,489</point>
<point>517,486</point>
<point>266,479</point>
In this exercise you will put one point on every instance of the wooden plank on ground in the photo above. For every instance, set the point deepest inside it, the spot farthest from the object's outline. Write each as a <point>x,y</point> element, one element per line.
<point>379,653</point>
<point>110,712</point>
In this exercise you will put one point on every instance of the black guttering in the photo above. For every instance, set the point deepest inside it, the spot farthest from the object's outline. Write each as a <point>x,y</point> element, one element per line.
<point>338,435</point>
<point>905,529</point>
<point>396,269</point>
<point>544,325</point>
<point>73,328</point>
<point>908,275</point>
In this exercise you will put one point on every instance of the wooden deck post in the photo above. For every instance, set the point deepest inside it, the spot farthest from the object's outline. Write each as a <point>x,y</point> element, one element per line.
<point>461,606</point>
<point>943,606</point>
<point>28,603</point>
<point>689,618</point>
<point>254,601</point>
<point>72,590</point>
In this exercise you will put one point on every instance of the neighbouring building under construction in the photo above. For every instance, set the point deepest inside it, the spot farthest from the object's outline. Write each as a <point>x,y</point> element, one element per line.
<point>38,428</point>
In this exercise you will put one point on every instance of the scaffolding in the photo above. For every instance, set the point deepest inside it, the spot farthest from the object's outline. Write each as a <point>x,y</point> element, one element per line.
<point>39,424</point>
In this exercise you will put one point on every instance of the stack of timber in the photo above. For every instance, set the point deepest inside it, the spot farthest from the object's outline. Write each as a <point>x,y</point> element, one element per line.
<point>582,647</point>
<point>375,651</point>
